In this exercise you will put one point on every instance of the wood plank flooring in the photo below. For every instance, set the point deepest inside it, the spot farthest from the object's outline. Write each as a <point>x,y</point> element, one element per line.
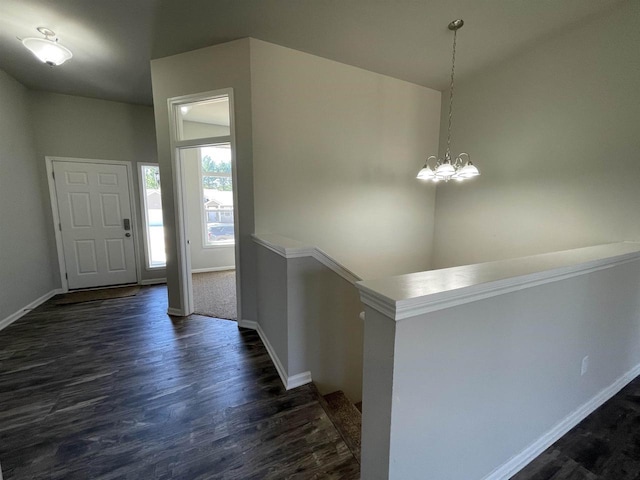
<point>604,446</point>
<point>117,390</point>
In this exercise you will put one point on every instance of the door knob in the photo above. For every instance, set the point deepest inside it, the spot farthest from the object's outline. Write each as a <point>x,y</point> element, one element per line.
<point>127,234</point>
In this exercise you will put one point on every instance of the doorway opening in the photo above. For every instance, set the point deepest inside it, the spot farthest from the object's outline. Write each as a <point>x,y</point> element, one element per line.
<point>204,163</point>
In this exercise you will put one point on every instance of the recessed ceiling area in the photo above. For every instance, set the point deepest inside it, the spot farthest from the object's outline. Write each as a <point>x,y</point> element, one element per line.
<point>113,41</point>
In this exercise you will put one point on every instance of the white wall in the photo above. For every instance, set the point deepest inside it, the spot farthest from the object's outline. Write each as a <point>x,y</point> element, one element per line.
<point>69,126</point>
<point>273,307</point>
<point>325,329</point>
<point>308,314</point>
<point>490,375</point>
<point>554,131</point>
<point>25,265</point>
<point>204,70</point>
<point>219,256</point>
<point>336,152</point>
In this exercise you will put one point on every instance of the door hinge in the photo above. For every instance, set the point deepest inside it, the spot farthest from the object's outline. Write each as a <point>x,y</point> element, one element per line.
<point>60,226</point>
<point>66,275</point>
<point>53,174</point>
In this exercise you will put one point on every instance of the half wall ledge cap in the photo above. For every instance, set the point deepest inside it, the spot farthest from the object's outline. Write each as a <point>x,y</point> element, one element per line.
<point>290,248</point>
<point>405,296</point>
<point>286,247</point>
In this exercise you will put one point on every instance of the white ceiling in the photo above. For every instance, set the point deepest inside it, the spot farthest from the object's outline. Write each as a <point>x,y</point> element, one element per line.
<point>113,40</point>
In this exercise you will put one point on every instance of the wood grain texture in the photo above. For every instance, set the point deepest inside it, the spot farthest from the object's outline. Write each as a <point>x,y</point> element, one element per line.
<point>347,419</point>
<point>117,390</point>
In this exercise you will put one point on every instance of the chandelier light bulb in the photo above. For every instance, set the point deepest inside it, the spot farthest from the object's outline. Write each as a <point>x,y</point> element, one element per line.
<point>469,171</point>
<point>426,173</point>
<point>445,170</point>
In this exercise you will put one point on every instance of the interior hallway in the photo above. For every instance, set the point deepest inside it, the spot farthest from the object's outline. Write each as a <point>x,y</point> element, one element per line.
<point>115,389</point>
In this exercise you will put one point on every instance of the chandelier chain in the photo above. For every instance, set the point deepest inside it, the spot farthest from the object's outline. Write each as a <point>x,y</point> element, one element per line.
<point>453,67</point>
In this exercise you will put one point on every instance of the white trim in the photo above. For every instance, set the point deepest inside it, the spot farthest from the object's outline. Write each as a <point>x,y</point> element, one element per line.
<point>298,380</point>
<point>250,324</point>
<point>175,312</point>
<point>26,309</point>
<point>184,255</point>
<point>231,244</point>
<point>204,237</point>
<point>522,459</point>
<point>288,382</point>
<point>493,279</point>
<point>205,141</point>
<point>153,281</point>
<point>212,269</point>
<point>145,217</point>
<point>282,372</point>
<point>289,248</point>
<point>56,214</point>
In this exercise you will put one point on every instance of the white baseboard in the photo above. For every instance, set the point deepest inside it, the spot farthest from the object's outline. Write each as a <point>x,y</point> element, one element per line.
<point>153,281</point>
<point>212,269</point>
<point>522,459</point>
<point>288,382</point>
<point>175,312</point>
<point>250,324</point>
<point>298,380</point>
<point>24,310</point>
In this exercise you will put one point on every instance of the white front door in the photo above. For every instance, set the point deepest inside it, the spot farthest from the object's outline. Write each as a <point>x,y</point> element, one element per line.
<point>95,220</point>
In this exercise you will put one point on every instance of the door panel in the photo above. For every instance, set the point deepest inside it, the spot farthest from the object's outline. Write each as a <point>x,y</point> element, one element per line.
<point>93,202</point>
<point>85,251</point>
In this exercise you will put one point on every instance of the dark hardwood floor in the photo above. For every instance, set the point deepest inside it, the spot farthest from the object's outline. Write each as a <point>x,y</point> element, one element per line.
<point>604,446</point>
<point>117,390</point>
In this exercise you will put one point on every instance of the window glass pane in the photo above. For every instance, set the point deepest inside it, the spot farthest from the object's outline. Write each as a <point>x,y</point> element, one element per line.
<point>217,194</point>
<point>153,216</point>
<point>208,118</point>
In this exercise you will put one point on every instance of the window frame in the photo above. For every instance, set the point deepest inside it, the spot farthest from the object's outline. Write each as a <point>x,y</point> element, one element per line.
<point>203,210</point>
<point>145,216</point>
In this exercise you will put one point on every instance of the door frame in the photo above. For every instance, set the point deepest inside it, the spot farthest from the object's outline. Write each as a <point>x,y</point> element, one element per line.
<point>53,197</point>
<point>180,203</point>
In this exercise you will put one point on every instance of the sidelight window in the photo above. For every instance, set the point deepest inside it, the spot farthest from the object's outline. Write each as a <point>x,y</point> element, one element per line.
<point>152,216</point>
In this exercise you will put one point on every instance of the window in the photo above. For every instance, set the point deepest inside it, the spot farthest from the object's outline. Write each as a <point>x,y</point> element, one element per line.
<point>152,206</point>
<point>204,119</point>
<point>217,195</point>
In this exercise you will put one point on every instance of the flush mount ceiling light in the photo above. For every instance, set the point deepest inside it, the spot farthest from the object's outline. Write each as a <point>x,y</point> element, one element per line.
<point>47,49</point>
<point>444,168</point>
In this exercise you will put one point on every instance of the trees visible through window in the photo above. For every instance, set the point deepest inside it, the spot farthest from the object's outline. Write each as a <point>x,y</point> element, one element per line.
<point>152,206</point>
<point>217,194</point>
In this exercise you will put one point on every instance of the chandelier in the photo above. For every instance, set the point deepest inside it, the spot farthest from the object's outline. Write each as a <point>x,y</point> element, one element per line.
<point>445,168</point>
<point>47,49</point>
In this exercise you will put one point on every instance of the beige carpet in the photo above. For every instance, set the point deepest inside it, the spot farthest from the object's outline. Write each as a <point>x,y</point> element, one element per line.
<point>214,294</point>
<point>93,295</point>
